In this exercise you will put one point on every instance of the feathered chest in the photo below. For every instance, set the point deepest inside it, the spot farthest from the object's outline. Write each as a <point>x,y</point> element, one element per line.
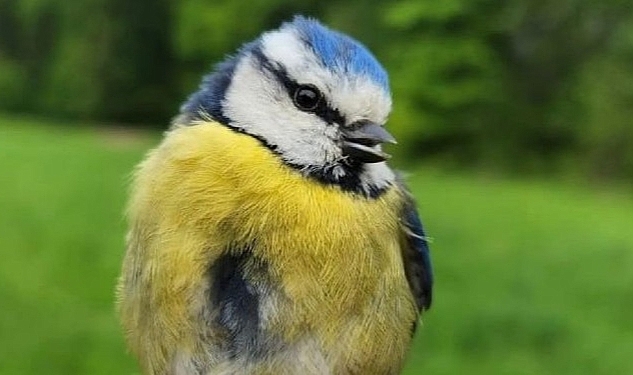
<point>268,256</point>
<point>325,247</point>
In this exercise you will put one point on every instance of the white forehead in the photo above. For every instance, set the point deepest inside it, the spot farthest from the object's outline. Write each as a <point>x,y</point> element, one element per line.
<point>357,97</point>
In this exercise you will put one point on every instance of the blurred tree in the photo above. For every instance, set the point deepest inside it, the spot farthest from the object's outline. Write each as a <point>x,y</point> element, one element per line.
<point>446,75</point>
<point>91,59</point>
<point>544,46</point>
<point>516,85</point>
<point>488,81</point>
<point>137,69</point>
<point>205,31</point>
<point>25,42</point>
<point>67,82</point>
<point>605,92</point>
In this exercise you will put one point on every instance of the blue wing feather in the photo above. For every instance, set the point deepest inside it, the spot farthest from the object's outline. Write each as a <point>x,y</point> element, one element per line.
<point>416,254</point>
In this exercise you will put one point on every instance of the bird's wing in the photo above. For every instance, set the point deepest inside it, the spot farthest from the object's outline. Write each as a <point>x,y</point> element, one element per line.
<point>415,252</point>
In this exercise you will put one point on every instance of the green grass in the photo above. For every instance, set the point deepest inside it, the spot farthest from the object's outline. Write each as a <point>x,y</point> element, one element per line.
<point>533,277</point>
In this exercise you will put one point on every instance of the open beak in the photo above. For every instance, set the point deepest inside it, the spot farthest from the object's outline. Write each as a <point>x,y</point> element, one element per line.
<point>360,141</point>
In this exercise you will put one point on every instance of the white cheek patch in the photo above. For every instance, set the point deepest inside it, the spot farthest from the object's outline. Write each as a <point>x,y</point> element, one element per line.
<point>260,106</point>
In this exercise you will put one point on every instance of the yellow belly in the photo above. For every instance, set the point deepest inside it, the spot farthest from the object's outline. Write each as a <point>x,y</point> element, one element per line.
<point>335,256</point>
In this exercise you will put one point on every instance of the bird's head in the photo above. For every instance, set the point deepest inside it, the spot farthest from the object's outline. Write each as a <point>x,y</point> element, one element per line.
<point>315,97</point>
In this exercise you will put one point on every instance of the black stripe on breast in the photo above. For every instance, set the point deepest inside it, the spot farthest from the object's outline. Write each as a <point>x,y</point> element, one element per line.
<point>239,283</point>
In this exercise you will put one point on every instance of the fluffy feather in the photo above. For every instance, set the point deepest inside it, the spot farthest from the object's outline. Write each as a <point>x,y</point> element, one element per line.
<point>270,237</point>
<point>339,283</point>
<point>245,93</point>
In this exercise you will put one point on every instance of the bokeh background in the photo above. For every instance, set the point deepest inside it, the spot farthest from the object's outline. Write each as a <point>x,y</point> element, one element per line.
<point>514,121</point>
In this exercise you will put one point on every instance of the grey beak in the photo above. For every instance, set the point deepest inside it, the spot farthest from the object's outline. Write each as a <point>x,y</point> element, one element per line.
<point>360,141</point>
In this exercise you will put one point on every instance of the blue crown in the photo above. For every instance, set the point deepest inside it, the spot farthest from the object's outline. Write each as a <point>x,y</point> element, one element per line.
<point>339,52</point>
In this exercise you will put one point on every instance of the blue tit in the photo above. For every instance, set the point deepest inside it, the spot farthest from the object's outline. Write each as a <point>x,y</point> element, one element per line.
<point>267,233</point>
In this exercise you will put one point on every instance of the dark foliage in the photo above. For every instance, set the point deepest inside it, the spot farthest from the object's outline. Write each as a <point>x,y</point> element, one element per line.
<point>516,85</point>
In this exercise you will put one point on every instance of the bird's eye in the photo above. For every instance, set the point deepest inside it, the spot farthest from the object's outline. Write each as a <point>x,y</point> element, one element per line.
<point>307,97</point>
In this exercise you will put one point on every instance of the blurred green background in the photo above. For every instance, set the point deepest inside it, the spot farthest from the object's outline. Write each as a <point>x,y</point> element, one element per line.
<point>514,119</point>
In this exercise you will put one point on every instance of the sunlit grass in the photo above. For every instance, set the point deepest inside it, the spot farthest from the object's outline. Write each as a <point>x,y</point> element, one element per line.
<point>532,277</point>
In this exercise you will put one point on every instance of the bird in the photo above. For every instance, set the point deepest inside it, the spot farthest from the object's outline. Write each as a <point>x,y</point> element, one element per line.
<point>267,232</point>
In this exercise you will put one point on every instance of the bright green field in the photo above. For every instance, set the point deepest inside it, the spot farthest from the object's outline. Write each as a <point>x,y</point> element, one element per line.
<point>532,277</point>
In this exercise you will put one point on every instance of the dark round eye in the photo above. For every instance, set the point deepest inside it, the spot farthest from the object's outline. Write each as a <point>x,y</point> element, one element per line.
<point>307,97</point>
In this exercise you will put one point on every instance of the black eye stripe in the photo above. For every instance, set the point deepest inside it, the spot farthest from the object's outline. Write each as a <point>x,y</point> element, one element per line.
<point>323,110</point>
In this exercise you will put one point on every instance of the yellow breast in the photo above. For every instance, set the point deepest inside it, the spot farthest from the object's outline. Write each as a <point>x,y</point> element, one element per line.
<point>335,255</point>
